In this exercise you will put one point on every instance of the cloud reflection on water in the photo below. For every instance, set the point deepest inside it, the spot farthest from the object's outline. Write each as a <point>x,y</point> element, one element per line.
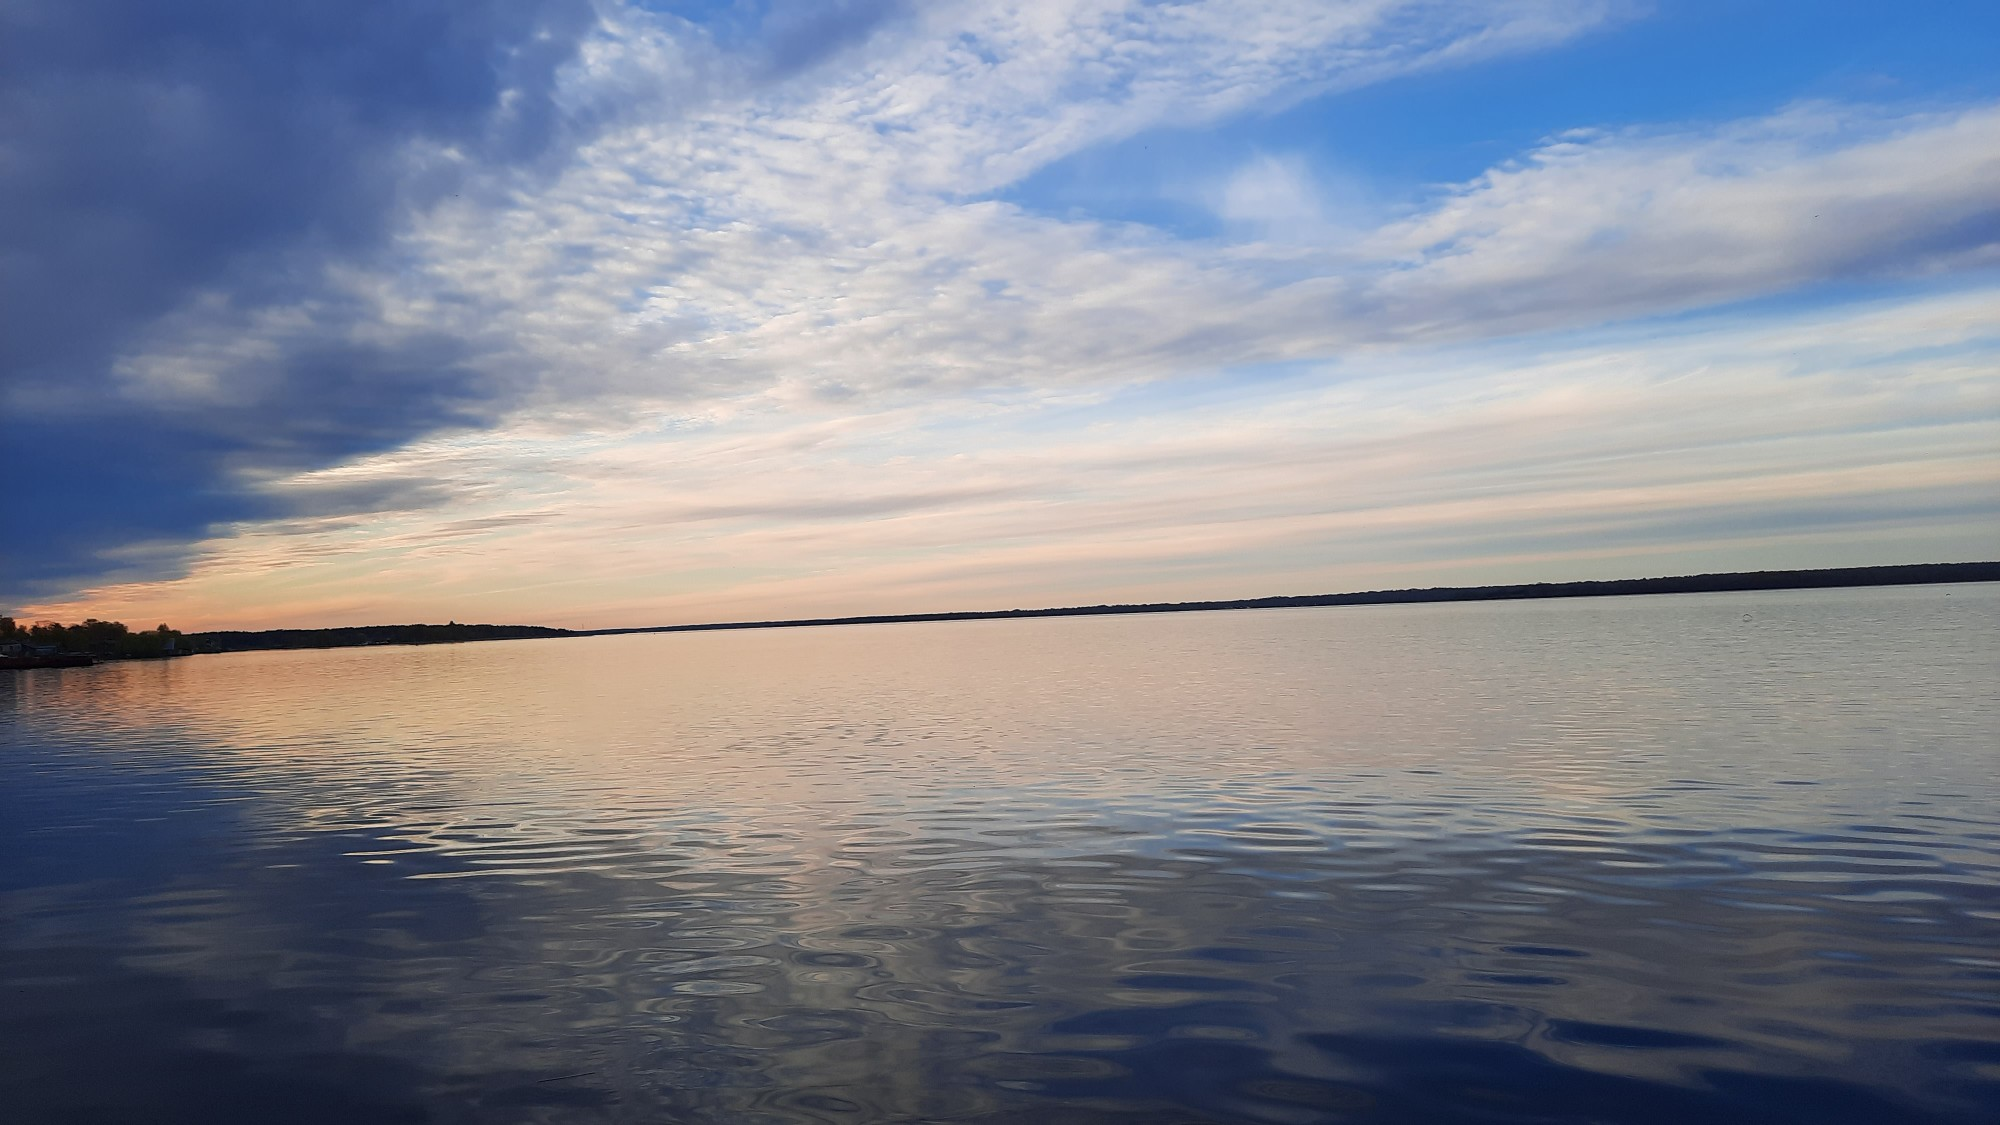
<point>1453,863</point>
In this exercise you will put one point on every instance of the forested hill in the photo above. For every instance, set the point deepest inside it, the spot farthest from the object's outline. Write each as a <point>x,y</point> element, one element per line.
<point>238,640</point>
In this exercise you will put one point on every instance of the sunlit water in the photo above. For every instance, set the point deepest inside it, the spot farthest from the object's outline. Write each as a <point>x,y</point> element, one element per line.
<point>1729,858</point>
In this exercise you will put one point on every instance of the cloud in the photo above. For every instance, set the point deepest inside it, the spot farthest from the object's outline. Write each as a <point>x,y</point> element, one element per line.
<point>157,151</point>
<point>251,240</point>
<point>1277,198</point>
<point>212,160</point>
<point>1609,225</point>
<point>726,277</point>
<point>770,245</point>
<point>1854,435</point>
<point>805,33</point>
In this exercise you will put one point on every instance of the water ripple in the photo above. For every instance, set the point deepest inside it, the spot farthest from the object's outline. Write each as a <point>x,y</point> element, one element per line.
<point>1617,862</point>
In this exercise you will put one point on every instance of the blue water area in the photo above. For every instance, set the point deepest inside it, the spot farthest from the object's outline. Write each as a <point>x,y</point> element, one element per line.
<point>1691,858</point>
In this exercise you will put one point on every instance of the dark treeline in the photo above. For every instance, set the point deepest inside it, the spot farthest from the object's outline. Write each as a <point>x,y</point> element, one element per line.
<point>94,638</point>
<point>111,638</point>
<point>238,640</point>
<point>1908,575</point>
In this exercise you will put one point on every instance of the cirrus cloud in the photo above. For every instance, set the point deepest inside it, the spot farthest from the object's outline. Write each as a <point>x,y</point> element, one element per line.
<point>713,297</point>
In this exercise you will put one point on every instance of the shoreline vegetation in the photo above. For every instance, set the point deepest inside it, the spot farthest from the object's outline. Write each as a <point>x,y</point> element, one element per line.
<point>1915,574</point>
<point>48,644</point>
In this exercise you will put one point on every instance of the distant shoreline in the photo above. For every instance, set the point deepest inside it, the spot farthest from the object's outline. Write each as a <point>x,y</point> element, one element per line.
<point>1832,578</point>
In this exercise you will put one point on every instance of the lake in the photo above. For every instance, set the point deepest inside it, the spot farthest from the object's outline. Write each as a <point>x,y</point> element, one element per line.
<point>1693,858</point>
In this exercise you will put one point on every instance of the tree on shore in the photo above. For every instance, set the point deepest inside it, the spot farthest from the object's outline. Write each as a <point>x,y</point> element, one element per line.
<point>99,638</point>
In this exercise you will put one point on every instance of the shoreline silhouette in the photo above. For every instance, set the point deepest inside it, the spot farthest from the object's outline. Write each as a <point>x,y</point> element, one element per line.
<point>1913,574</point>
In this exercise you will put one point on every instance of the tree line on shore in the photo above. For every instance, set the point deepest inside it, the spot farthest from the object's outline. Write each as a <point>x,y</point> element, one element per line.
<point>115,639</point>
<point>351,636</point>
<point>97,638</point>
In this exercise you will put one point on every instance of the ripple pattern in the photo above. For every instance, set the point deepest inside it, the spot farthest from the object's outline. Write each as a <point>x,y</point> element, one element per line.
<point>1621,861</point>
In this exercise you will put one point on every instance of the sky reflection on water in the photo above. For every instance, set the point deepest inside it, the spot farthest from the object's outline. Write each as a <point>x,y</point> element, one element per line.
<point>1685,858</point>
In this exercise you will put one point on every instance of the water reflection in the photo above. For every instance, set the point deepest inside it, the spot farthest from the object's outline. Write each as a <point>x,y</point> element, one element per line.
<point>1609,861</point>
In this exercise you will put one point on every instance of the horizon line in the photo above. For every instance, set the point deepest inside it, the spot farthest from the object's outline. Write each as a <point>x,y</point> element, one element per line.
<point>1897,574</point>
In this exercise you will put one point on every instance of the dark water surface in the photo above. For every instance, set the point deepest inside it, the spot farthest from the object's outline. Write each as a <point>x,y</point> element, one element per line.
<point>1706,858</point>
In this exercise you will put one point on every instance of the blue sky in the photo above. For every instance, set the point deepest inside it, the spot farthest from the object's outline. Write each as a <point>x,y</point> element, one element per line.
<point>1661,65</point>
<point>593,313</point>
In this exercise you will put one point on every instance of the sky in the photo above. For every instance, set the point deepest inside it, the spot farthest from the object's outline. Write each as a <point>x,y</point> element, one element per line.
<point>596,313</point>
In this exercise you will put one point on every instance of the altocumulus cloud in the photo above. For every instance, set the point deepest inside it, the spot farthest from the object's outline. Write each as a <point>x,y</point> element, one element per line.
<point>716,306</point>
<point>217,161</point>
<point>207,207</point>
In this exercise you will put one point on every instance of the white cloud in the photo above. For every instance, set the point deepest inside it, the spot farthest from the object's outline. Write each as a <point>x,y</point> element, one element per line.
<point>1845,436</point>
<point>823,237</point>
<point>826,231</point>
<point>1279,199</point>
<point>1610,225</point>
<point>689,267</point>
<point>789,360</point>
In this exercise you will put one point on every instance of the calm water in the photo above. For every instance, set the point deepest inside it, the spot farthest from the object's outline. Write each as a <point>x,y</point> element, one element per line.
<point>1729,858</point>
